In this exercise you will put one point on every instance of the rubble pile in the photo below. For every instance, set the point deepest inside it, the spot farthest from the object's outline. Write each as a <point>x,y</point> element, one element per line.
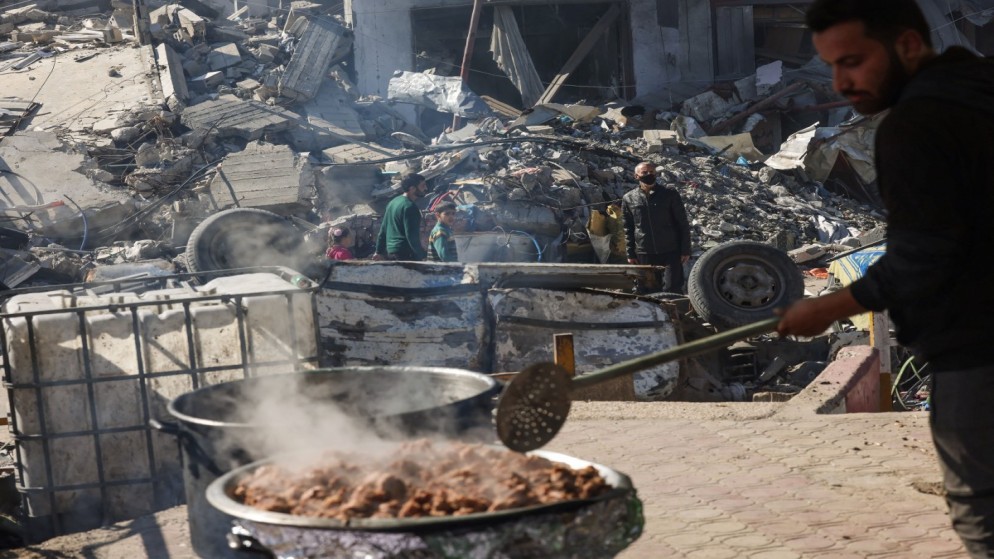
<point>256,108</point>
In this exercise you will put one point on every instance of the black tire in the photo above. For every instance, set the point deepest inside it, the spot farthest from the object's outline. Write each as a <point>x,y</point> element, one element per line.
<point>741,282</point>
<point>244,238</point>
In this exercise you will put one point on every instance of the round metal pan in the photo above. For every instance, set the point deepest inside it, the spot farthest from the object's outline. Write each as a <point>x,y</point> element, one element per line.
<point>219,495</point>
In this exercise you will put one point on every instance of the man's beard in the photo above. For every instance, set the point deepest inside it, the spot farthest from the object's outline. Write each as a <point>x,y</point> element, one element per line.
<point>890,88</point>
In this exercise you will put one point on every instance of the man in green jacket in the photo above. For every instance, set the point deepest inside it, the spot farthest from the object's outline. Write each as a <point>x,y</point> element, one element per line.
<point>400,230</point>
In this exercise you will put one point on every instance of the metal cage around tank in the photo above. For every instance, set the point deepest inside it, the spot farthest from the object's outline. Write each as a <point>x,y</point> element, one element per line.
<point>111,466</point>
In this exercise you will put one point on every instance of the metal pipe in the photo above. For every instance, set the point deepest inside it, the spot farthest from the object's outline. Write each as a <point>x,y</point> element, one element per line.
<point>474,23</point>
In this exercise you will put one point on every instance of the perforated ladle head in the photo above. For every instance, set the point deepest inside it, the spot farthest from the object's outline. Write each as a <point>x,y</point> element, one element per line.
<point>534,405</point>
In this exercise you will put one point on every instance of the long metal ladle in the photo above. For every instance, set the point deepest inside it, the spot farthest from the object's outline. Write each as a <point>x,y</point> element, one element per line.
<point>534,405</point>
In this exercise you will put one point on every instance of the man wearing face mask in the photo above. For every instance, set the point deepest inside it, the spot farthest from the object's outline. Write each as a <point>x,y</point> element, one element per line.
<point>400,229</point>
<point>657,231</point>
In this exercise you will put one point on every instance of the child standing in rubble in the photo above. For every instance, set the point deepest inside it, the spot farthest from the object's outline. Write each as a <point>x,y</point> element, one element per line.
<point>441,242</point>
<point>340,240</point>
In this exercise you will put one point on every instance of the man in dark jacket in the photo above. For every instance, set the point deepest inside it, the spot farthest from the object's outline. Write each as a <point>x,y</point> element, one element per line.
<point>935,162</point>
<point>656,228</point>
<point>400,229</point>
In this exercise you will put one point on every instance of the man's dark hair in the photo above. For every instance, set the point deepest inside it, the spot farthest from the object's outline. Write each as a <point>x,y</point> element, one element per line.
<point>410,180</point>
<point>885,20</point>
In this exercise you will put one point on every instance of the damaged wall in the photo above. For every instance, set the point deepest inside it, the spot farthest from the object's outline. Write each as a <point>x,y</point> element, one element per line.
<point>385,37</point>
<point>383,41</point>
<point>655,49</point>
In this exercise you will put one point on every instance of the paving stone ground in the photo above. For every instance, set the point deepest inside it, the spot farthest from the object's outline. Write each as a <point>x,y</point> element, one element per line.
<point>739,485</point>
<point>716,481</point>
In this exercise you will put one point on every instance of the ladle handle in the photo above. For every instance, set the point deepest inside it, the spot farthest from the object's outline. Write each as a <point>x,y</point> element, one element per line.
<point>696,347</point>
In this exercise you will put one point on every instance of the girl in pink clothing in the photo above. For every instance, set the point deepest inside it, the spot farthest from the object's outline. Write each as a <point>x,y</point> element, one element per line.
<point>340,239</point>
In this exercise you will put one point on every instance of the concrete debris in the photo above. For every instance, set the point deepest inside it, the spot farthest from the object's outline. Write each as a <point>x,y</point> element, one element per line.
<point>321,43</point>
<point>39,179</point>
<point>16,267</point>
<point>224,56</point>
<point>173,82</point>
<point>263,176</point>
<point>231,116</point>
<point>255,106</point>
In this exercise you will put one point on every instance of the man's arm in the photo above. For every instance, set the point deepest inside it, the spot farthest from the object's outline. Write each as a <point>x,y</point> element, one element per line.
<point>811,317</point>
<point>682,224</point>
<point>412,231</point>
<point>381,238</point>
<point>629,222</point>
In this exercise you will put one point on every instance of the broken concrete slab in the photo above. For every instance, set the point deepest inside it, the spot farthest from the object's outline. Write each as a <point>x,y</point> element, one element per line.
<point>709,105</point>
<point>299,9</point>
<point>263,176</point>
<point>221,34</point>
<point>39,176</point>
<point>16,267</point>
<point>208,81</point>
<point>224,56</point>
<point>658,139</point>
<point>192,23</point>
<point>171,74</point>
<point>249,84</point>
<point>85,79</point>
<point>733,146</point>
<point>321,43</point>
<point>267,53</point>
<point>332,121</point>
<point>355,153</point>
<point>232,116</point>
<point>807,253</point>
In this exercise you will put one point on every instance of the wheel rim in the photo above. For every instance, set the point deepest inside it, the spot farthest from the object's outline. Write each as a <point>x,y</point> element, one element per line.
<point>748,283</point>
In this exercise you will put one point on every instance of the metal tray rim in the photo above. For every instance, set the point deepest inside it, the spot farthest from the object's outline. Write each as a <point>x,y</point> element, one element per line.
<point>218,495</point>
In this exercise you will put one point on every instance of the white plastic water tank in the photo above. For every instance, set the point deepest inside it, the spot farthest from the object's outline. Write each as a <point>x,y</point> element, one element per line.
<point>85,373</point>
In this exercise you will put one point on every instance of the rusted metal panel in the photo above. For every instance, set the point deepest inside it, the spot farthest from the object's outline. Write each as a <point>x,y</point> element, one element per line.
<point>556,276</point>
<point>438,315</point>
<point>505,274</point>
<point>402,313</point>
<point>606,329</point>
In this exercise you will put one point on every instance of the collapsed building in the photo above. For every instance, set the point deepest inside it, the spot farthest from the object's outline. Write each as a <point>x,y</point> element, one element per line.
<point>182,110</point>
<point>129,126</point>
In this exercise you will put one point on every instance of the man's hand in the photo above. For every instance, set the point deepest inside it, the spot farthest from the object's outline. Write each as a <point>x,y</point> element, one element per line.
<point>811,317</point>
<point>685,258</point>
<point>633,261</point>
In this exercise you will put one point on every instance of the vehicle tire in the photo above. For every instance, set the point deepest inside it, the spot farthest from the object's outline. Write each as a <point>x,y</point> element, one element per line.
<point>244,238</point>
<point>741,282</point>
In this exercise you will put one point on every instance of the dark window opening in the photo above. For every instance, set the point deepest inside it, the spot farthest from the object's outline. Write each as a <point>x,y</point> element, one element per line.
<point>550,32</point>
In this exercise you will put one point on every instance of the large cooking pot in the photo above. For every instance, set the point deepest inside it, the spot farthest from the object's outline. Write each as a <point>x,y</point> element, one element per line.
<point>597,527</point>
<point>219,426</point>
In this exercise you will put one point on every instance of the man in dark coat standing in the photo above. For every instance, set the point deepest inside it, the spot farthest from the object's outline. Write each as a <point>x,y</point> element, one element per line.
<point>657,231</point>
<point>935,164</point>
